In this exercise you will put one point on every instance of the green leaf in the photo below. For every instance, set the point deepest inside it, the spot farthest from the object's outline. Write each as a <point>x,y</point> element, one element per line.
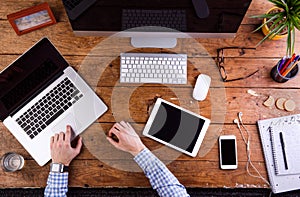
<point>288,43</point>
<point>294,20</point>
<point>271,34</point>
<point>289,18</point>
<point>276,22</point>
<point>277,30</point>
<point>297,3</point>
<point>278,3</point>
<point>293,41</point>
<point>271,19</point>
<point>264,15</point>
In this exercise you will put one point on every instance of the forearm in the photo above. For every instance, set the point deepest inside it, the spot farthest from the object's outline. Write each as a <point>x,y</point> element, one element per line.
<point>57,185</point>
<point>161,179</point>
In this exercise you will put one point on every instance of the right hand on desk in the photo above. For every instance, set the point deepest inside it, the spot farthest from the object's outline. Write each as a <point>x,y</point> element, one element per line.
<point>127,139</point>
<point>61,149</point>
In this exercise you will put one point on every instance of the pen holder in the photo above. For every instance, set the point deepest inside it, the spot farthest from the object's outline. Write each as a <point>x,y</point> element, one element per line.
<point>278,77</point>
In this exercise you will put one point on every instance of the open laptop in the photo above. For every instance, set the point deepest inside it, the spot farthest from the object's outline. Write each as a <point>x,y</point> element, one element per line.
<point>40,94</point>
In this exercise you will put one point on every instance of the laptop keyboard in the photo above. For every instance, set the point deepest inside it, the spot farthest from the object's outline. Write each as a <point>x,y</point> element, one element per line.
<point>48,108</point>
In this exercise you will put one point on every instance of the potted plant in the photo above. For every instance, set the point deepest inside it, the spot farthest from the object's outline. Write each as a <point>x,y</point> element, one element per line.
<point>281,21</point>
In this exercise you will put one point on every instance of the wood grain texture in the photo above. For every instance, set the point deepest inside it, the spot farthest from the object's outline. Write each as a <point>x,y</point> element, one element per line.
<point>129,102</point>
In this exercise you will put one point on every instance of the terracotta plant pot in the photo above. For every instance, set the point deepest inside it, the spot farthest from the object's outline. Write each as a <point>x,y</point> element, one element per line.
<point>266,30</point>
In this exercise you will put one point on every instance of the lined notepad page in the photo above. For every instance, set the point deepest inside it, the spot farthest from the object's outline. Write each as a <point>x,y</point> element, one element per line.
<point>291,147</point>
<point>279,183</point>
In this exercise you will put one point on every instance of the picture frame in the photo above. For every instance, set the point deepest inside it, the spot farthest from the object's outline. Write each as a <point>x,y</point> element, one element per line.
<point>32,18</point>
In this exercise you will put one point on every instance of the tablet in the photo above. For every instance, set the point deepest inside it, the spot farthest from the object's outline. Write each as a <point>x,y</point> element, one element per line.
<point>176,127</point>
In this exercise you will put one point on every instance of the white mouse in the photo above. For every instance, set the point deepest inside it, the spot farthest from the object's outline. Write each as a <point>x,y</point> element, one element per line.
<point>201,87</point>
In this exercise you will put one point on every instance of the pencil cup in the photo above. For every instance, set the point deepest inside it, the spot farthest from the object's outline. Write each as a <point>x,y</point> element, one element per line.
<point>11,162</point>
<point>278,77</point>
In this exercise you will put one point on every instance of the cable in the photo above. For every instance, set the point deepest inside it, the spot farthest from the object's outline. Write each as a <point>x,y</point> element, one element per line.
<point>247,142</point>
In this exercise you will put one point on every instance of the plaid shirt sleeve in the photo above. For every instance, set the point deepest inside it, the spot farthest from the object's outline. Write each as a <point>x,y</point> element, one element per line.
<point>161,179</point>
<point>57,185</point>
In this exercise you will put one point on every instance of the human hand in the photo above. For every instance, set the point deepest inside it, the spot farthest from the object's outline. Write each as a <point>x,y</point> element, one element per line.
<point>61,149</point>
<point>128,140</point>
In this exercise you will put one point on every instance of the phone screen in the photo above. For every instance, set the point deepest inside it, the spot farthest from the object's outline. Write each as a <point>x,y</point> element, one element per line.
<point>228,153</point>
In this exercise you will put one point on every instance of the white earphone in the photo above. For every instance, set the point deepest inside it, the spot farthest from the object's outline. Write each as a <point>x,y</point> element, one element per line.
<point>241,126</point>
<point>240,116</point>
<point>236,121</point>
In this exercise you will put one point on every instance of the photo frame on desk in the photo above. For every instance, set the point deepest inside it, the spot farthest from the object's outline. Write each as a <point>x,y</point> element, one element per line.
<point>32,18</point>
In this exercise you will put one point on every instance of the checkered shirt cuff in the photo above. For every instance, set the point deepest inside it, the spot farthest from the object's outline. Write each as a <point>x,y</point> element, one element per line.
<point>57,184</point>
<point>143,158</point>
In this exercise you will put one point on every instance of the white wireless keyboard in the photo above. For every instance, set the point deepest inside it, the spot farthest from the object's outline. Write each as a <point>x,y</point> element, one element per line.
<point>153,68</point>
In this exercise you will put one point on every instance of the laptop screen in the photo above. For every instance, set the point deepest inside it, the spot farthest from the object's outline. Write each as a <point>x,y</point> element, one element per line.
<point>28,76</point>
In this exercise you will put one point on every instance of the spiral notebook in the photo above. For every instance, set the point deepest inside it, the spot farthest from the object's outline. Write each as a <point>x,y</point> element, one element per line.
<point>283,164</point>
<point>285,141</point>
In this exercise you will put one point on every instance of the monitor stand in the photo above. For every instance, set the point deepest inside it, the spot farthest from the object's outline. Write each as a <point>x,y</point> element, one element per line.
<point>153,42</point>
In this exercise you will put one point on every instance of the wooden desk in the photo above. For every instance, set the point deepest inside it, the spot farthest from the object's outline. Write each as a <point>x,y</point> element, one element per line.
<point>88,171</point>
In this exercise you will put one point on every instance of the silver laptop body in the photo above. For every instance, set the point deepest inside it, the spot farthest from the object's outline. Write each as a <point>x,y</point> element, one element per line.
<point>64,99</point>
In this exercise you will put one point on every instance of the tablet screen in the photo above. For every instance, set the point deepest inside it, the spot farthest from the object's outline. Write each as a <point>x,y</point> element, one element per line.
<point>177,127</point>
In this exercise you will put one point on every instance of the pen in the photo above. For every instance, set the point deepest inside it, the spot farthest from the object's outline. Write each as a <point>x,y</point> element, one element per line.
<point>281,62</point>
<point>287,63</point>
<point>290,68</point>
<point>283,150</point>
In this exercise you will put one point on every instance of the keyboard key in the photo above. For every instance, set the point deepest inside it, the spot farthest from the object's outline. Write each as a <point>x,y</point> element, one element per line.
<point>151,80</point>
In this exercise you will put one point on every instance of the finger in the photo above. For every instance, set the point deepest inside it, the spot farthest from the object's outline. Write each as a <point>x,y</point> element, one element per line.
<point>131,130</point>
<point>113,142</point>
<point>114,129</point>
<point>68,133</point>
<point>113,132</point>
<point>56,137</point>
<point>61,136</point>
<point>126,127</point>
<point>129,125</point>
<point>118,126</point>
<point>123,124</point>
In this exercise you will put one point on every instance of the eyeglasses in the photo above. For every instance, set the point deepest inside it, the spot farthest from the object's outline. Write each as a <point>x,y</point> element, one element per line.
<point>220,63</point>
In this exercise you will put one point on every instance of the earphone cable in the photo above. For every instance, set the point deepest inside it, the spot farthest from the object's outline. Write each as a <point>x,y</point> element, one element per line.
<point>249,162</point>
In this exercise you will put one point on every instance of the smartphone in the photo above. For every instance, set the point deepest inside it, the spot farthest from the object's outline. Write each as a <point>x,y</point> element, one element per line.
<point>228,152</point>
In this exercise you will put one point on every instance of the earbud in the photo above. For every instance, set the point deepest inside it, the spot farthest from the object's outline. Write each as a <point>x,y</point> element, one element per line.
<point>236,121</point>
<point>240,116</point>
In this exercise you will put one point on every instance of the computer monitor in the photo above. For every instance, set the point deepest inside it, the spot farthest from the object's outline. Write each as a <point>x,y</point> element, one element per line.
<point>153,22</point>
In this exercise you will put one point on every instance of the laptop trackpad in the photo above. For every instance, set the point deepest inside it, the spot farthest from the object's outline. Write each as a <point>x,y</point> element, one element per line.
<point>67,120</point>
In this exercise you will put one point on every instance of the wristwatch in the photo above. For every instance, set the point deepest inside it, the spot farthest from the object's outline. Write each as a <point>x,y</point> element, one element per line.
<point>58,168</point>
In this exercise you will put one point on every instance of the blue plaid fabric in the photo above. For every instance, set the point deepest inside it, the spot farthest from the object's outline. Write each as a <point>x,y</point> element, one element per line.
<point>57,184</point>
<point>161,179</point>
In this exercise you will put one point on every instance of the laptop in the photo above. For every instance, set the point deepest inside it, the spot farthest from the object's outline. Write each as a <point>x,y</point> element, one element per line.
<point>75,8</point>
<point>40,94</point>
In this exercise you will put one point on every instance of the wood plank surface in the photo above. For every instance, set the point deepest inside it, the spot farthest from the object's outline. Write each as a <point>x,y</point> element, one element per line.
<point>109,168</point>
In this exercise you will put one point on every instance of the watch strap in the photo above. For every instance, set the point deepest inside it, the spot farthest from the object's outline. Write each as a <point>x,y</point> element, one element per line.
<point>58,168</point>
<point>66,168</point>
